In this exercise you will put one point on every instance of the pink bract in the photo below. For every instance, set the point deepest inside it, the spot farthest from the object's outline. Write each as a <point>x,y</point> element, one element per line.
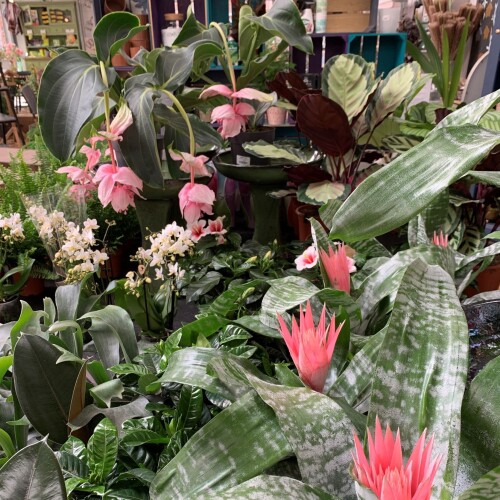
<point>338,267</point>
<point>308,259</point>
<point>311,347</point>
<point>440,239</point>
<point>194,200</point>
<point>190,162</point>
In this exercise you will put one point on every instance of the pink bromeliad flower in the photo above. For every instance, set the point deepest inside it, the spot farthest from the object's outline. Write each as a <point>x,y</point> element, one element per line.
<point>311,347</point>
<point>338,267</point>
<point>117,185</point>
<point>190,163</point>
<point>384,472</point>
<point>195,199</point>
<point>440,239</point>
<point>233,118</point>
<point>308,259</point>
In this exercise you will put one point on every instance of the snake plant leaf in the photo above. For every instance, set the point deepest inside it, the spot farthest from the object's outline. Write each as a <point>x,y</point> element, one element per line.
<point>43,387</point>
<point>349,80</point>
<point>490,178</point>
<point>469,114</point>
<point>213,460</point>
<point>102,450</point>
<point>271,488</point>
<point>32,473</point>
<point>486,488</point>
<point>139,140</point>
<point>422,366</point>
<point>66,100</point>
<point>418,176</point>
<point>112,31</point>
<point>319,432</point>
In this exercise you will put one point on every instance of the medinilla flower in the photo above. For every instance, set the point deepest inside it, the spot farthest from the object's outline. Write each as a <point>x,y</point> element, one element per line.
<point>338,267</point>
<point>194,200</point>
<point>117,185</point>
<point>233,118</point>
<point>384,472</point>
<point>118,125</point>
<point>311,347</point>
<point>191,163</point>
<point>308,259</point>
<point>440,239</point>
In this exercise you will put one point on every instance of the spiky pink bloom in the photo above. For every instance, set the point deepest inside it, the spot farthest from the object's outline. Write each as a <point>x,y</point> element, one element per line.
<point>196,164</point>
<point>386,475</point>
<point>338,267</point>
<point>118,186</point>
<point>440,239</point>
<point>308,259</point>
<point>233,118</point>
<point>311,347</point>
<point>195,199</point>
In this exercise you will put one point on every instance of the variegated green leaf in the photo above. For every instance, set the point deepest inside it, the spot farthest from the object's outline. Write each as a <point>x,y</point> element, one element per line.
<point>422,365</point>
<point>370,266</point>
<point>491,121</point>
<point>482,297</point>
<point>400,143</point>
<point>417,233</point>
<point>452,218</point>
<point>319,432</point>
<point>277,151</point>
<point>471,240</point>
<point>349,80</point>
<point>487,488</point>
<point>239,443</point>
<point>416,177</point>
<point>371,248</point>
<point>485,252</point>
<point>328,210</point>
<point>490,178</point>
<point>270,488</point>
<point>471,113</point>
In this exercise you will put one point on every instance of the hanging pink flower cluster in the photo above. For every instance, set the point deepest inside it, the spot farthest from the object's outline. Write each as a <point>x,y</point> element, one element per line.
<point>198,199</point>
<point>116,185</point>
<point>233,118</point>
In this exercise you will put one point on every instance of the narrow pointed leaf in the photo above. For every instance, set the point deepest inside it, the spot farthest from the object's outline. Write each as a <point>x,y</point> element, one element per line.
<point>422,365</point>
<point>417,177</point>
<point>230,449</point>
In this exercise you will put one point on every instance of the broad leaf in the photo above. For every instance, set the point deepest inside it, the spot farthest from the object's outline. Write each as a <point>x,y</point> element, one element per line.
<point>490,178</point>
<point>102,450</point>
<point>422,365</point>
<point>32,473</point>
<point>43,387</point>
<point>348,80</point>
<point>213,460</point>
<point>189,408</point>
<point>291,154</point>
<point>417,177</point>
<point>319,433</point>
<point>104,393</point>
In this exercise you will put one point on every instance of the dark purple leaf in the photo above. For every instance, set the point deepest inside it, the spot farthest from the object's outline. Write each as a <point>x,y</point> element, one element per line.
<point>306,173</point>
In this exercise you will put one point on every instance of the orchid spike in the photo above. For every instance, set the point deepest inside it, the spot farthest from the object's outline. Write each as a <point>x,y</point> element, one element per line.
<point>311,347</point>
<point>440,239</point>
<point>384,472</point>
<point>308,259</point>
<point>338,267</point>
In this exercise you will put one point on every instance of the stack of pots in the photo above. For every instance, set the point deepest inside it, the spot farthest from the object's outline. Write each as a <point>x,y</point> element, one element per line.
<point>134,44</point>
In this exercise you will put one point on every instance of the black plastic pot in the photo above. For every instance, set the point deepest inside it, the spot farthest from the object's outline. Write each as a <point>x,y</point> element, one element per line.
<point>10,310</point>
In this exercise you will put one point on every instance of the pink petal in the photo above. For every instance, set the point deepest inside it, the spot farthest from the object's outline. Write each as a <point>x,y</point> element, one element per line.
<point>104,171</point>
<point>231,127</point>
<point>224,112</point>
<point>244,109</point>
<point>121,198</point>
<point>126,175</point>
<point>248,93</point>
<point>216,90</point>
<point>105,190</point>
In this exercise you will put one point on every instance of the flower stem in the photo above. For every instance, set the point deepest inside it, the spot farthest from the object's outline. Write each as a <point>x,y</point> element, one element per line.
<point>228,55</point>
<point>107,111</point>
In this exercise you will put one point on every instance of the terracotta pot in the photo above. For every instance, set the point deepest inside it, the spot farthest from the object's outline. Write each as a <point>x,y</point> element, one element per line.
<point>276,116</point>
<point>489,279</point>
<point>10,310</point>
<point>143,18</point>
<point>118,60</point>
<point>114,5</point>
<point>134,50</point>
<point>305,212</point>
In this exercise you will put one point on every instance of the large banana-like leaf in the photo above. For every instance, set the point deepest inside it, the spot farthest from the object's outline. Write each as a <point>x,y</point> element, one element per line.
<point>270,488</point>
<point>239,443</point>
<point>69,88</point>
<point>349,80</point>
<point>422,366</point>
<point>392,196</point>
<point>487,488</point>
<point>319,432</point>
<point>32,473</point>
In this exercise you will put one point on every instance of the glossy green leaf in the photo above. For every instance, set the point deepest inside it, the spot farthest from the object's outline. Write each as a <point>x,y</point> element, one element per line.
<point>348,80</point>
<point>67,98</point>
<point>104,393</point>
<point>231,300</point>
<point>213,460</point>
<point>32,473</point>
<point>112,31</point>
<point>418,176</point>
<point>319,433</point>
<point>71,334</point>
<point>420,376</point>
<point>490,178</point>
<point>43,387</point>
<point>137,437</point>
<point>113,331</point>
<point>5,364</point>
<point>127,494</point>
<point>206,325</point>
<point>189,408</point>
<point>6,444</point>
<point>73,466</point>
<point>486,488</point>
<point>129,368</point>
<point>294,155</point>
<point>173,66</point>
<point>102,450</point>
<point>271,488</point>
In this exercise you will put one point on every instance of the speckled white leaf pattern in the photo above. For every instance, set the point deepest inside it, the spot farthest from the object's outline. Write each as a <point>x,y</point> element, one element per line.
<point>485,252</point>
<point>487,488</point>
<point>270,488</point>
<point>318,431</point>
<point>387,278</point>
<point>241,442</point>
<point>422,365</point>
<point>357,377</point>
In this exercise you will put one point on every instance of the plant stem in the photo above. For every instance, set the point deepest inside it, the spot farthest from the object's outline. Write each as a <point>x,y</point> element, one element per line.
<point>107,112</point>
<point>228,55</point>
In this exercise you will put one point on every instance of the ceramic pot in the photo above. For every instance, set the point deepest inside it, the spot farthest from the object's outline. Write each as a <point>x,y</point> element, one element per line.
<point>10,310</point>
<point>276,116</point>
<point>240,156</point>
